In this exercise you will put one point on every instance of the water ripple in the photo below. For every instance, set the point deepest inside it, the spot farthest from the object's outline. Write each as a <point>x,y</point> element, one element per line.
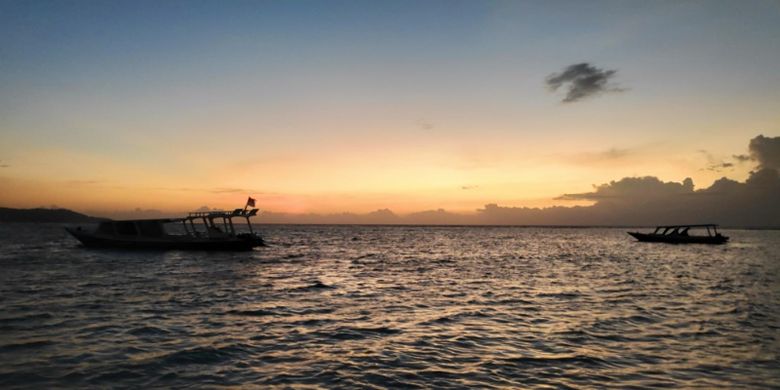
<point>393,307</point>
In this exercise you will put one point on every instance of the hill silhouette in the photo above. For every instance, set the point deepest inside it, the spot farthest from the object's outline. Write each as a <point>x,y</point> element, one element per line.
<point>43,215</point>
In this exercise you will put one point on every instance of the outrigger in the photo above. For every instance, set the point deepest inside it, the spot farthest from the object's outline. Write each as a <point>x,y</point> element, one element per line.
<point>678,234</point>
<point>214,231</point>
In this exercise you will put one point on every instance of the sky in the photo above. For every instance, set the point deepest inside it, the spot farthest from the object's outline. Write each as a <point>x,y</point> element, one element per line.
<point>355,106</point>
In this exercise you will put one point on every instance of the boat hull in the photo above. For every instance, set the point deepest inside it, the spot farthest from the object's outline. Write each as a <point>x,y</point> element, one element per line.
<point>679,239</point>
<point>243,242</point>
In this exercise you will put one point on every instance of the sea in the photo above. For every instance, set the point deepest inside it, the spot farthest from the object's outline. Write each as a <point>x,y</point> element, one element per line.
<point>393,307</point>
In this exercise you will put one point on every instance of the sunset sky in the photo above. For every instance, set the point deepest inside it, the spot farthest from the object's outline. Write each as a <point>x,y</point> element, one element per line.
<point>331,106</point>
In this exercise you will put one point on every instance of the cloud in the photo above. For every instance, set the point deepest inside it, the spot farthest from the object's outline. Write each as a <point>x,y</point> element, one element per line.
<point>79,183</point>
<point>608,156</point>
<point>714,164</point>
<point>633,188</point>
<point>650,201</point>
<point>763,150</point>
<point>766,151</point>
<point>630,201</point>
<point>614,153</point>
<point>213,190</point>
<point>223,190</point>
<point>717,167</point>
<point>4,165</point>
<point>425,124</point>
<point>582,80</point>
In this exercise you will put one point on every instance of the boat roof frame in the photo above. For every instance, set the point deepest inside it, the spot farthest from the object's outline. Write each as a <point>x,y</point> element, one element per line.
<point>244,213</point>
<point>222,214</point>
<point>688,226</point>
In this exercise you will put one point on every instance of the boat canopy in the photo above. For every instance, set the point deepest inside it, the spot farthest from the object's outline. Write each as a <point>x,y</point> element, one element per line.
<point>713,225</point>
<point>683,229</point>
<point>208,218</point>
<point>222,214</point>
<point>153,227</point>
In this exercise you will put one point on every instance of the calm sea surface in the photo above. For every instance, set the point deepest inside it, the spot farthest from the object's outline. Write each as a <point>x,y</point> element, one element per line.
<point>393,307</point>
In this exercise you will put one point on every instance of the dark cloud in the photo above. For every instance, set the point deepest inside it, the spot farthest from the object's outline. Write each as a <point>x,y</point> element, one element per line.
<point>650,201</point>
<point>717,167</point>
<point>581,81</point>
<point>741,158</point>
<point>766,151</point>
<point>630,201</point>
<point>469,187</point>
<point>633,188</point>
<point>4,165</point>
<point>715,164</point>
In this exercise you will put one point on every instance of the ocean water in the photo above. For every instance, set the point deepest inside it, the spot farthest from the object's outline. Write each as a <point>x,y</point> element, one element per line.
<point>393,307</point>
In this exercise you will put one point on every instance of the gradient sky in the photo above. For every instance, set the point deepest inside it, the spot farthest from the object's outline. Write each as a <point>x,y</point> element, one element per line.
<point>329,106</point>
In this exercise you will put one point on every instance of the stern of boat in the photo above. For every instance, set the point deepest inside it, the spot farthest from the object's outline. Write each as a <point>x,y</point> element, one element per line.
<point>252,239</point>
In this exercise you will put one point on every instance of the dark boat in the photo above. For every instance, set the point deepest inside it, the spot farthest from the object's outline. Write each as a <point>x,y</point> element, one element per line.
<point>156,234</point>
<point>678,234</point>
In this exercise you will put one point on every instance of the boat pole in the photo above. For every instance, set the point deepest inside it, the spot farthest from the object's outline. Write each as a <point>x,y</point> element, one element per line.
<point>250,225</point>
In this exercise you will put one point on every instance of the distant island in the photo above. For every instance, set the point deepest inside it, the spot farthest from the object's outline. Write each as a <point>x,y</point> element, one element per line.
<point>44,215</point>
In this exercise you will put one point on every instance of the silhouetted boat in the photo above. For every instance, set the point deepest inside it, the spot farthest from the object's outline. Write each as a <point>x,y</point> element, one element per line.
<point>152,233</point>
<point>678,234</point>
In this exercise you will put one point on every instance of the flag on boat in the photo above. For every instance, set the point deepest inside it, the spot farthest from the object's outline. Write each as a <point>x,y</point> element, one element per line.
<point>250,202</point>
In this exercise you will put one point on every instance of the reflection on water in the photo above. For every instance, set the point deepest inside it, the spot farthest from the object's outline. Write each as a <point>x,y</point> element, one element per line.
<point>393,307</point>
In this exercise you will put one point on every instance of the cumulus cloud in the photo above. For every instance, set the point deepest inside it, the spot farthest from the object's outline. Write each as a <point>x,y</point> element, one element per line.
<point>650,201</point>
<point>581,81</point>
<point>633,188</point>
<point>630,201</point>
<point>766,151</point>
